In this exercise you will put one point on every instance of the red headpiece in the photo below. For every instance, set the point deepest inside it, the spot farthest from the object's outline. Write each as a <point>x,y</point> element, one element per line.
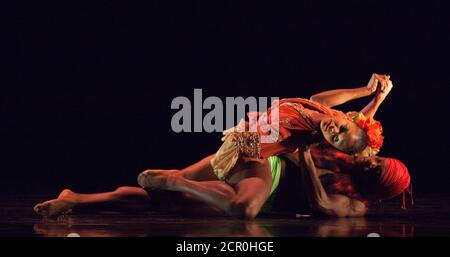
<point>394,179</point>
<point>373,130</point>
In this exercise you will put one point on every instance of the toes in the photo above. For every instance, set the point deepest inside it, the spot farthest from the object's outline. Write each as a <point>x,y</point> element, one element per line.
<point>42,209</point>
<point>153,179</point>
<point>144,178</point>
<point>37,208</point>
<point>141,179</point>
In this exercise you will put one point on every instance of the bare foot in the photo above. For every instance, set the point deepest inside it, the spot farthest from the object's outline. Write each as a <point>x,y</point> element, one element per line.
<point>62,205</point>
<point>158,179</point>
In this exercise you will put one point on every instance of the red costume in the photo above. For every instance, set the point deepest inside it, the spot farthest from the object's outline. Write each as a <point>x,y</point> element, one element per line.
<point>391,179</point>
<point>266,134</point>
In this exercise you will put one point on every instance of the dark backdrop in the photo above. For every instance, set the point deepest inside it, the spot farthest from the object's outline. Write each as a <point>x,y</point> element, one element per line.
<point>88,103</point>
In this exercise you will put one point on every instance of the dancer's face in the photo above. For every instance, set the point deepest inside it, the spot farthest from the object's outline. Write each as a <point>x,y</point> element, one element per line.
<point>343,134</point>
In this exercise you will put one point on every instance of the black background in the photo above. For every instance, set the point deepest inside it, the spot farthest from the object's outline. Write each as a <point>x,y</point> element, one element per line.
<point>88,103</point>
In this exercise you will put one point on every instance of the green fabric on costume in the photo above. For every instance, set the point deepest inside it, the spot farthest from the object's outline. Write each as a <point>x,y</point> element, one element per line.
<point>275,170</point>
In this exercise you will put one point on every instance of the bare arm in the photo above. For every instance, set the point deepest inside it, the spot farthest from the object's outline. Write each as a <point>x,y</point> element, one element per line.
<point>381,94</point>
<point>333,204</point>
<point>340,96</point>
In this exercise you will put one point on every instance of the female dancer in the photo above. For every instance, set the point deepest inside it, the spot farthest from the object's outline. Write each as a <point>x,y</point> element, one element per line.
<point>248,182</point>
<point>297,122</point>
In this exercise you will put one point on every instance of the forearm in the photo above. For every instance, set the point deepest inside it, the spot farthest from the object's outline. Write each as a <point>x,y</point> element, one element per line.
<point>315,191</point>
<point>331,205</point>
<point>371,109</point>
<point>340,96</point>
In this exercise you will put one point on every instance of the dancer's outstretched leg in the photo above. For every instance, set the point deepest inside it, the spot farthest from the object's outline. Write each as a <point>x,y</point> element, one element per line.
<point>67,200</point>
<point>247,190</point>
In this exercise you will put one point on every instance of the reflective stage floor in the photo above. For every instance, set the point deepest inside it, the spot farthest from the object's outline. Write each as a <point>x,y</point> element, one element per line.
<point>428,217</point>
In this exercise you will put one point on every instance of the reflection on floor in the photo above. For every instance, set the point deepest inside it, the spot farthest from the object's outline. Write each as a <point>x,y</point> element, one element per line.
<point>429,217</point>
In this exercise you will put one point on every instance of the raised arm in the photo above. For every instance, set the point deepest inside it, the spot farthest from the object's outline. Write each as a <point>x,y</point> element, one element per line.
<point>381,93</point>
<point>332,205</point>
<point>340,96</point>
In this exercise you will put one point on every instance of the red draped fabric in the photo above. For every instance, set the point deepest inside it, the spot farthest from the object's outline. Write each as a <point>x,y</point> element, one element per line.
<point>298,124</point>
<point>393,177</point>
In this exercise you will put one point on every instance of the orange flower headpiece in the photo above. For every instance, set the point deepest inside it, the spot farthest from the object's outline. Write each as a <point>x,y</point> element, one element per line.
<point>373,130</point>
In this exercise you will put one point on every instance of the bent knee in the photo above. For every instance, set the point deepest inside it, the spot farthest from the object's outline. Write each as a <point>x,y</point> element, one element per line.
<point>244,209</point>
